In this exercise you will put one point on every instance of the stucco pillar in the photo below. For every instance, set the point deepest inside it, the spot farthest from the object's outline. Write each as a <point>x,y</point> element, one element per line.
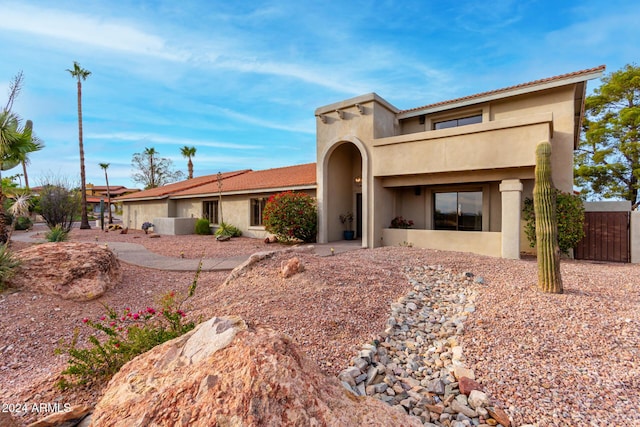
<point>635,237</point>
<point>511,191</point>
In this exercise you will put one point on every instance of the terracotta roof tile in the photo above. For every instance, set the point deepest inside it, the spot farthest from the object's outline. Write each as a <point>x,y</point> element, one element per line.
<point>167,190</point>
<point>285,177</point>
<point>510,88</point>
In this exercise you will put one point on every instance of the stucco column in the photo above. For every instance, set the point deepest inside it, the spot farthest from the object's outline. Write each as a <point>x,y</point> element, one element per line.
<point>511,191</point>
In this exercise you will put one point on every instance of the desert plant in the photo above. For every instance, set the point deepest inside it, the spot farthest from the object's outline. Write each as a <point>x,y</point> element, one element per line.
<point>119,338</point>
<point>146,226</point>
<point>203,227</point>
<point>544,205</point>
<point>291,216</point>
<point>8,265</point>
<point>58,204</point>
<point>23,223</point>
<point>570,214</point>
<point>56,234</point>
<point>347,221</point>
<point>228,230</point>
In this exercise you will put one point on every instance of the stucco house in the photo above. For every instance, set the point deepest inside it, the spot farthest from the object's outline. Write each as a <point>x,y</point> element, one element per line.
<point>173,208</point>
<point>459,169</point>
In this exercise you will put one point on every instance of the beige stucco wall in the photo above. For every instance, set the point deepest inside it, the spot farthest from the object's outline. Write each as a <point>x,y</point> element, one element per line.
<point>483,243</point>
<point>635,237</point>
<point>236,210</point>
<point>135,213</point>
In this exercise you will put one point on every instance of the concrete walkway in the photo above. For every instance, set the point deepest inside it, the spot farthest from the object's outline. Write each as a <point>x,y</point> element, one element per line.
<point>136,254</point>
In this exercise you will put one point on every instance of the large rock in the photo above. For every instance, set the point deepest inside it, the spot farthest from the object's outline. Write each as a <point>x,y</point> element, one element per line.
<point>227,374</point>
<point>76,271</point>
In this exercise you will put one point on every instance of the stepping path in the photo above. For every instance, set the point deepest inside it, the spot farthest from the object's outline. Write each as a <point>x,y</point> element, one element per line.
<point>133,253</point>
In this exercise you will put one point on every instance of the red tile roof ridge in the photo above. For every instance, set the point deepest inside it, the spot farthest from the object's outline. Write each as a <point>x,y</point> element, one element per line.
<point>166,190</point>
<point>506,89</point>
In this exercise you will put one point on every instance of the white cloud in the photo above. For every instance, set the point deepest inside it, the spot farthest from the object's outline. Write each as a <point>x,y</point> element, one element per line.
<point>86,29</point>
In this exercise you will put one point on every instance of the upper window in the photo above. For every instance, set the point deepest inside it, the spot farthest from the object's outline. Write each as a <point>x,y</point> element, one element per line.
<point>462,121</point>
<point>210,210</point>
<point>460,211</point>
<point>257,207</point>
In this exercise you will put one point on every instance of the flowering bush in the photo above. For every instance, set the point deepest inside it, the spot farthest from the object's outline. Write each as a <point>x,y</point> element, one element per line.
<point>400,222</point>
<point>118,338</point>
<point>570,215</point>
<point>146,226</point>
<point>291,216</point>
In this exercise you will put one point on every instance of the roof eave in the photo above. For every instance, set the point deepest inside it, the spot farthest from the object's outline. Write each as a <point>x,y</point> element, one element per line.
<point>248,191</point>
<point>596,73</point>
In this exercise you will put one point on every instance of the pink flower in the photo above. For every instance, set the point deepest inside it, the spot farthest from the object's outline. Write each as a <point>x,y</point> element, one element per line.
<point>117,345</point>
<point>181,313</point>
<point>151,310</point>
<point>103,318</point>
<point>85,320</point>
<point>112,324</point>
<point>136,316</point>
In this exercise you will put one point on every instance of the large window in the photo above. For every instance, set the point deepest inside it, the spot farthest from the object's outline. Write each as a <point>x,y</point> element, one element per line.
<point>257,207</point>
<point>210,211</point>
<point>460,211</point>
<point>461,121</point>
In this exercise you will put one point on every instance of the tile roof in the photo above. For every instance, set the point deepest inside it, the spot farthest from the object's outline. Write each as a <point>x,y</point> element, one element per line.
<point>166,190</point>
<point>277,178</point>
<point>510,88</point>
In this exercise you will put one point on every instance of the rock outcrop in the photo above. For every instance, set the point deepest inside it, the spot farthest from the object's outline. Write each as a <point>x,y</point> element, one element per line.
<point>225,373</point>
<point>75,271</point>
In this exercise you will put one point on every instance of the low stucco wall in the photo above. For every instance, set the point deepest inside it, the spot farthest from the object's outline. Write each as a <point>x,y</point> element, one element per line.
<point>174,226</point>
<point>478,242</point>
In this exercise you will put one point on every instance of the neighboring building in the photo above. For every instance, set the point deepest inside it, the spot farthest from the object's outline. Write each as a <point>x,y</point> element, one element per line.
<point>458,169</point>
<point>95,193</point>
<point>244,194</point>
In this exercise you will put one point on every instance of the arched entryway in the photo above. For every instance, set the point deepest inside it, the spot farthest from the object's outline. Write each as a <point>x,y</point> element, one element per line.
<point>343,189</point>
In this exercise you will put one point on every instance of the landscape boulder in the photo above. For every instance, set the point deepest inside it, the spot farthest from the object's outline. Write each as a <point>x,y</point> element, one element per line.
<point>226,373</point>
<point>75,271</point>
<point>290,267</point>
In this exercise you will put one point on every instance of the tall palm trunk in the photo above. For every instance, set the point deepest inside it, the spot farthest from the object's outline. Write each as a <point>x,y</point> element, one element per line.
<point>84,222</point>
<point>26,178</point>
<point>106,177</point>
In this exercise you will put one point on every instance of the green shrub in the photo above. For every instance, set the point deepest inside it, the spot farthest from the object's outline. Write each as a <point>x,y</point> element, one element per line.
<point>57,234</point>
<point>203,227</point>
<point>8,265</point>
<point>117,339</point>
<point>291,216</point>
<point>570,214</point>
<point>24,223</point>
<point>228,230</point>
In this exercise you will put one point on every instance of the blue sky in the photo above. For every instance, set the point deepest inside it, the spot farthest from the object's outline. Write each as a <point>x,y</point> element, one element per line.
<point>240,80</point>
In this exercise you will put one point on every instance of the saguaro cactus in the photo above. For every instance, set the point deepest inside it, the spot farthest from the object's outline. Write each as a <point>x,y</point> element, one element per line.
<point>544,206</point>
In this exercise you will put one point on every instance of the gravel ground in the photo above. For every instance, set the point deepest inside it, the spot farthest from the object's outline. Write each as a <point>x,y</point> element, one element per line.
<point>570,359</point>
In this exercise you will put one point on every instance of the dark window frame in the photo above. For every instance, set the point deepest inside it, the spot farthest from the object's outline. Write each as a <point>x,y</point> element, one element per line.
<point>461,219</point>
<point>256,210</point>
<point>457,121</point>
<point>207,206</point>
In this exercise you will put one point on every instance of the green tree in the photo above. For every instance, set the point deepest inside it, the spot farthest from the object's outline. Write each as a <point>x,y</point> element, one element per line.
<point>608,158</point>
<point>105,166</point>
<point>16,143</point>
<point>189,152</point>
<point>153,171</point>
<point>81,74</point>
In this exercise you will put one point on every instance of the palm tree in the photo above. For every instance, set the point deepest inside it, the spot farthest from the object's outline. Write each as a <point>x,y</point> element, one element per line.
<point>105,166</point>
<point>189,152</point>
<point>151,152</point>
<point>14,144</point>
<point>81,74</point>
<point>24,157</point>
